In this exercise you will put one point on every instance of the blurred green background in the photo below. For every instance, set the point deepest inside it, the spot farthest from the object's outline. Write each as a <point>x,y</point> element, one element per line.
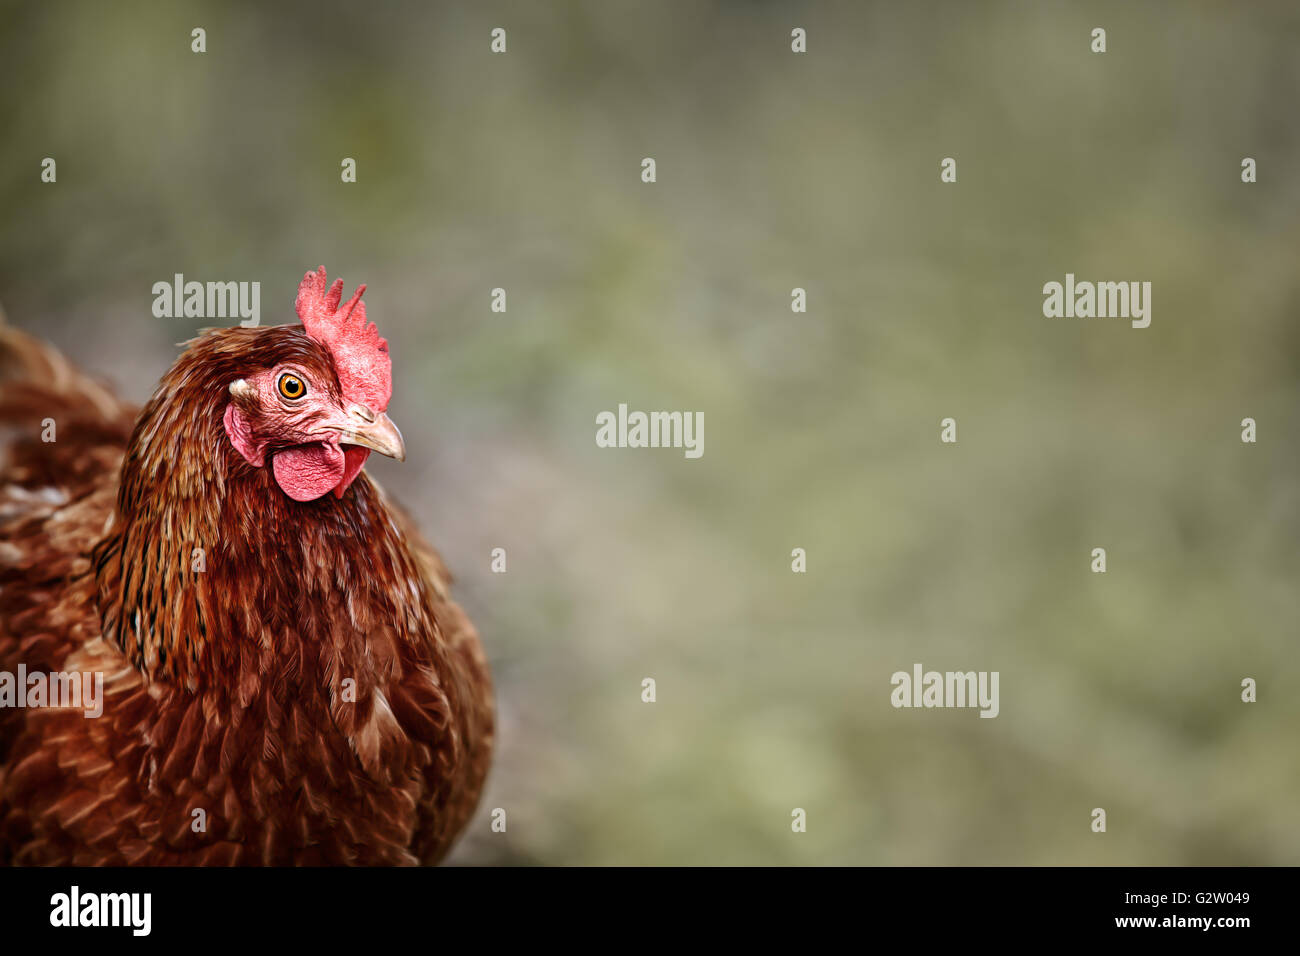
<point>775,170</point>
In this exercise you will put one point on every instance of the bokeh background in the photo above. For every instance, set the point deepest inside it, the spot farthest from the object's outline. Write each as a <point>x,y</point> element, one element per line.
<point>775,170</point>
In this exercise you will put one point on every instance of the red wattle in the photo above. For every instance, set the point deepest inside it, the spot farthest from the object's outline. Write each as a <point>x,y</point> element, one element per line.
<point>353,459</point>
<point>306,472</point>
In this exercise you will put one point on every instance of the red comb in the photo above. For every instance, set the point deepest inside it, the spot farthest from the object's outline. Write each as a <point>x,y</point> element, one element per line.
<point>360,355</point>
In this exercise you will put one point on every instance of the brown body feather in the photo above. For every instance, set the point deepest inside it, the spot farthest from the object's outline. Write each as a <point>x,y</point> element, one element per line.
<point>312,690</point>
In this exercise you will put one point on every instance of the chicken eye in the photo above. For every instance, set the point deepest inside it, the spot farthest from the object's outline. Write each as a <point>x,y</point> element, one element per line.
<point>291,386</point>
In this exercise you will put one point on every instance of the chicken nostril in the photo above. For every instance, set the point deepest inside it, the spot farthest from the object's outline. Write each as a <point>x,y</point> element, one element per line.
<point>362,413</point>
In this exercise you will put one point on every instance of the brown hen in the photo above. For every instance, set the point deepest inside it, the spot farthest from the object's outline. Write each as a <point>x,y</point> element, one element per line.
<point>285,679</point>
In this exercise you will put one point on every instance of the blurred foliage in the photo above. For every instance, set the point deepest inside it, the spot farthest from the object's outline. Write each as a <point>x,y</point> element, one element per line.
<point>775,170</point>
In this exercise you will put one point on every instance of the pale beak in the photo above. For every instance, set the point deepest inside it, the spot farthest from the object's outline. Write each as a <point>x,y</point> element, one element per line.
<point>373,430</point>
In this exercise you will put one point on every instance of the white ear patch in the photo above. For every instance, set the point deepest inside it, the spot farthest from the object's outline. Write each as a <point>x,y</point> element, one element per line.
<point>240,388</point>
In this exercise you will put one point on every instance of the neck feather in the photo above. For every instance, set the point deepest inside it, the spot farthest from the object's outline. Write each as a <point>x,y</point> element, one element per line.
<point>209,575</point>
